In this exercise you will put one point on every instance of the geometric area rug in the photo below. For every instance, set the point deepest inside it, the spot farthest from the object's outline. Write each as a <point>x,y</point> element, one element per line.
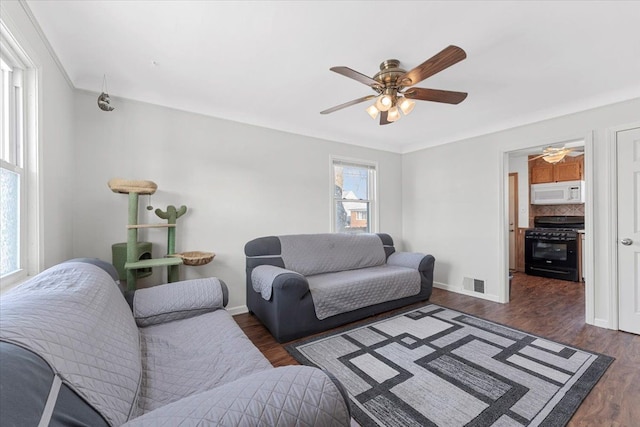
<point>433,366</point>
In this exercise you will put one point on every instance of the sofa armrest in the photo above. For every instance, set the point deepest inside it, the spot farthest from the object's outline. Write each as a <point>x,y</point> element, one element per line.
<point>178,300</point>
<point>423,263</point>
<point>266,277</point>
<point>286,396</point>
<point>406,259</point>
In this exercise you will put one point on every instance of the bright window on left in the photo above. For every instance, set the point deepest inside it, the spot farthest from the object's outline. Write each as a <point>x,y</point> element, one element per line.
<point>13,186</point>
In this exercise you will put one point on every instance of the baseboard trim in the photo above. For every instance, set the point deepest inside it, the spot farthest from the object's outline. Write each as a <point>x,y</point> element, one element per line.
<point>601,323</point>
<point>460,290</point>
<point>237,310</point>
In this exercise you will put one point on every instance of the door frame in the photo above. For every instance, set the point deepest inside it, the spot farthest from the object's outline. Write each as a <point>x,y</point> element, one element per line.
<point>503,241</point>
<point>614,289</point>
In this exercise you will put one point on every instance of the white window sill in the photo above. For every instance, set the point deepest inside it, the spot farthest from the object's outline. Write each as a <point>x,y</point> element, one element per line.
<point>6,284</point>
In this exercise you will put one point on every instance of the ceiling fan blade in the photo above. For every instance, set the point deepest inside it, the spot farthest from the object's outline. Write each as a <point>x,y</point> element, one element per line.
<point>444,59</point>
<point>347,104</point>
<point>435,95</point>
<point>383,118</point>
<point>353,74</point>
<point>537,157</point>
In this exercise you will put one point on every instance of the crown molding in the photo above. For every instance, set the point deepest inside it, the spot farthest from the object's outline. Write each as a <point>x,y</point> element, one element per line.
<point>45,41</point>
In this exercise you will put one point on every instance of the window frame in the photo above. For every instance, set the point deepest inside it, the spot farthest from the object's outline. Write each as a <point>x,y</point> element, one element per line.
<point>372,189</point>
<point>27,160</point>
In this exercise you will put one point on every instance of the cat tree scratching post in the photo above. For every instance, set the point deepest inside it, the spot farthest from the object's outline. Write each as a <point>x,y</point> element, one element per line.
<point>134,189</point>
<point>171,215</point>
<point>173,260</point>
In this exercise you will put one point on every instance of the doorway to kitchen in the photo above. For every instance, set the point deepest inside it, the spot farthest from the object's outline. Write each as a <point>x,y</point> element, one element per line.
<point>545,229</point>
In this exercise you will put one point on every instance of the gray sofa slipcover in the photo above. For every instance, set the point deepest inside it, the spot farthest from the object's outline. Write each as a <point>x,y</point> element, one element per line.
<point>298,285</point>
<point>73,352</point>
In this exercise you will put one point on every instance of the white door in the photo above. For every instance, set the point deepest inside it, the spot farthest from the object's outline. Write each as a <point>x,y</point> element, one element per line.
<point>513,218</point>
<point>628,145</point>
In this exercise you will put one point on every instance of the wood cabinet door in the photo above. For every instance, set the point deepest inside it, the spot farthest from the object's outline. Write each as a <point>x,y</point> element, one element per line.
<point>542,173</point>
<point>568,171</point>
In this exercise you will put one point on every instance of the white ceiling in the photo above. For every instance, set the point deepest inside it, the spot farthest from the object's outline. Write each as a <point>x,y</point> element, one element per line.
<point>267,63</point>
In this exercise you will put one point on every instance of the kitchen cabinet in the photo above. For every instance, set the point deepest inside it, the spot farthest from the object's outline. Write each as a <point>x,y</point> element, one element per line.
<point>542,173</point>
<point>569,169</point>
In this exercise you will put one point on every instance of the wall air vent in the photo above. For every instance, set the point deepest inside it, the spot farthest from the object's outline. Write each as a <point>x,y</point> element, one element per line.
<point>475,285</point>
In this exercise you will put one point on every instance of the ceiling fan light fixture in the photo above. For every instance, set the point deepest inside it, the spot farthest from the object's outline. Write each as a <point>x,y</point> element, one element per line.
<point>554,158</point>
<point>394,87</point>
<point>394,114</point>
<point>373,111</point>
<point>406,105</point>
<point>384,102</point>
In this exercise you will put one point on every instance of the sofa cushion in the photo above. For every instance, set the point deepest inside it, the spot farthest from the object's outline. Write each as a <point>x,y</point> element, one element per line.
<point>283,397</point>
<point>340,292</point>
<point>74,316</point>
<point>179,300</point>
<point>310,254</point>
<point>188,356</point>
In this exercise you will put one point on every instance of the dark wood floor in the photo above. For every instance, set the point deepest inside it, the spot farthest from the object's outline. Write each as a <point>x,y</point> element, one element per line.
<point>550,308</point>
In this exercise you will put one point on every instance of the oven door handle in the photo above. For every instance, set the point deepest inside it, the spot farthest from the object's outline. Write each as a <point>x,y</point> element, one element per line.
<point>550,271</point>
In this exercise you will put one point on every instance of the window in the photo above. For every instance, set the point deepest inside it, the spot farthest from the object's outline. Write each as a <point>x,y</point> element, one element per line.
<point>353,207</point>
<point>17,132</point>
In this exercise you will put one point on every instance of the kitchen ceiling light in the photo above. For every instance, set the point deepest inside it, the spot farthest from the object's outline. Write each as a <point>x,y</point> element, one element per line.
<point>554,157</point>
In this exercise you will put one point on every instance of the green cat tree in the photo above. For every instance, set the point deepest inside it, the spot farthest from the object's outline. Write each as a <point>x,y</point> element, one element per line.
<point>173,260</point>
<point>171,215</point>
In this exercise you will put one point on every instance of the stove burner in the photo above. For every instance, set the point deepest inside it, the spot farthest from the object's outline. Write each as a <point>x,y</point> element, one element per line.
<point>551,234</point>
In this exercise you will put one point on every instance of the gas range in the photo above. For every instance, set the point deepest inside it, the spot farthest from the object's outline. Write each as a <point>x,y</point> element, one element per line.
<point>559,222</point>
<point>551,249</point>
<point>553,233</point>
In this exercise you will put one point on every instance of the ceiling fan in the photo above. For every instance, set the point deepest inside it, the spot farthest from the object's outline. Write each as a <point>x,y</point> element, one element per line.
<point>557,154</point>
<point>393,86</point>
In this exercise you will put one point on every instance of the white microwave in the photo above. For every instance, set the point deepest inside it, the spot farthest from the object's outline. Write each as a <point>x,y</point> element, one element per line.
<point>557,193</point>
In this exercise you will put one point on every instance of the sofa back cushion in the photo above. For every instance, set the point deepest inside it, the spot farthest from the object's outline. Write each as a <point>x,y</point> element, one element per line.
<point>310,254</point>
<point>75,318</point>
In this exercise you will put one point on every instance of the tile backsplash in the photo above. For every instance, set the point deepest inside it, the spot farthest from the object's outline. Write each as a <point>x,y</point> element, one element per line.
<point>539,210</point>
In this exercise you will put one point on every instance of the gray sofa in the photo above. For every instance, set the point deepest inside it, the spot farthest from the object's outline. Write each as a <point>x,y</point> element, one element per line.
<point>298,285</point>
<point>73,352</point>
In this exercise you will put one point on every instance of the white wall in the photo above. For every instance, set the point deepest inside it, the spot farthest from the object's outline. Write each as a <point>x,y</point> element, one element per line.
<point>56,150</point>
<point>241,181</point>
<point>520,164</point>
<point>451,198</point>
<point>238,181</point>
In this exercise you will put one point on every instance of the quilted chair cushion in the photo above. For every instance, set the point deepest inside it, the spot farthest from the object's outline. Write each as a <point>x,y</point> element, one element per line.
<point>74,316</point>
<point>286,396</point>
<point>180,300</point>
<point>189,356</point>
<point>310,254</point>
<point>344,291</point>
